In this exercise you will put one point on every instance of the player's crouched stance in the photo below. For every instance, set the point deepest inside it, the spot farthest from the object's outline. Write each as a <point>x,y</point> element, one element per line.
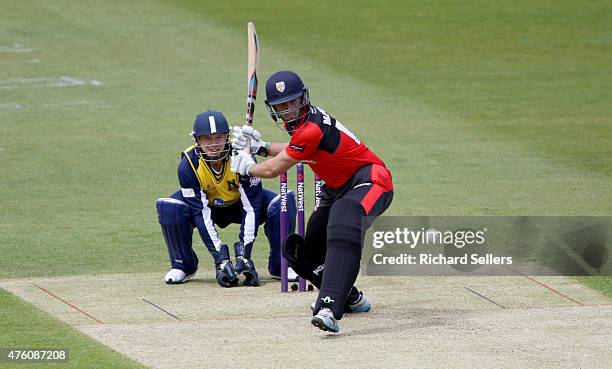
<point>211,195</point>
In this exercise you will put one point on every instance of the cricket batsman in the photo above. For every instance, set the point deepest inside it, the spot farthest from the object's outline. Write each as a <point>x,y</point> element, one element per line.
<point>211,195</point>
<point>357,184</point>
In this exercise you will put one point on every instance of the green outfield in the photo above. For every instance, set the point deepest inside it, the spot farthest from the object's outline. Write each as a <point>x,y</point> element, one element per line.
<point>478,108</point>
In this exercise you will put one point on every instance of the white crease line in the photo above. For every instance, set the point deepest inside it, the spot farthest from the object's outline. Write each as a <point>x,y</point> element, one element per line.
<point>63,81</point>
<point>32,61</point>
<point>67,104</point>
<point>16,48</point>
<point>11,106</point>
<point>23,81</point>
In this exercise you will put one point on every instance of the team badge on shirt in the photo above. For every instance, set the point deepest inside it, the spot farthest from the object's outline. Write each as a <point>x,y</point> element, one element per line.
<point>232,185</point>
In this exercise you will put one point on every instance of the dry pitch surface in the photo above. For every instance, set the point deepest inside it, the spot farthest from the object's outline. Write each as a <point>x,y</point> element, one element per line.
<point>425,322</point>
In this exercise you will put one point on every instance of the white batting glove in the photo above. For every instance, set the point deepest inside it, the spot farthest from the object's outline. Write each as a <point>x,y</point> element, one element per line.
<point>239,140</point>
<point>240,136</point>
<point>241,163</point>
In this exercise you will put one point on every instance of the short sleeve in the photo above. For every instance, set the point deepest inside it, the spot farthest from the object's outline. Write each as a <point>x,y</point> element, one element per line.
<point>304,142</point>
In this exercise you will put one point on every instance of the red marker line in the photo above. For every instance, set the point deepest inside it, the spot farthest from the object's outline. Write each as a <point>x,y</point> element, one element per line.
<point>67,303</point>
<point>546,286</point>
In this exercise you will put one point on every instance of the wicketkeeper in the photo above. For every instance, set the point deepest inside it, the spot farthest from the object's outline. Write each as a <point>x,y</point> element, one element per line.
<point>357,184</point>
<point>211,195</point>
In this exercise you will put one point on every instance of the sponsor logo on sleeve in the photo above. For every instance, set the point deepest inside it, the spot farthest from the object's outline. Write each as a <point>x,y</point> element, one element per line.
<point>188,192</point>
<point>297,148</point>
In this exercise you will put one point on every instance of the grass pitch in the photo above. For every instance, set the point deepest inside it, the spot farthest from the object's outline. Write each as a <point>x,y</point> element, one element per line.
<point>424,322</point>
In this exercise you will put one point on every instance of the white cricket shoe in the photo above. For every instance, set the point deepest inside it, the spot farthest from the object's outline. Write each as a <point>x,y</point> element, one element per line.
<point>291,275</point>
<point>325,321</point>
<point>176,276</point>
<point>360,305</point>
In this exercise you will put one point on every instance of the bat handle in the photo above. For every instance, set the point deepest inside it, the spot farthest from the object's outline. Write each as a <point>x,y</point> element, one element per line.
<point>247,147</point>
<point>249,122</point>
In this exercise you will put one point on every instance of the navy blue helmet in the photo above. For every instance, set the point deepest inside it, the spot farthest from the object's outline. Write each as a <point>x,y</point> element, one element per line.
<point>287,99</point>
<point>214,125</point>
<point>209,122</point>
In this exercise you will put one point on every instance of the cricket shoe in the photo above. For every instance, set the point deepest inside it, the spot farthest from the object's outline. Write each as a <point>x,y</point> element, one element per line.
<point>360,305</point>
<point>291,275</point>
<point>176,276</point>
<point>325,321</point>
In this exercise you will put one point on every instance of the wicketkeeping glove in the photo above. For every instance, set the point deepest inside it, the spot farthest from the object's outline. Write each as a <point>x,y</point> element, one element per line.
<point>241,163</point>
<point>240,135</point>
<point>226,275</point>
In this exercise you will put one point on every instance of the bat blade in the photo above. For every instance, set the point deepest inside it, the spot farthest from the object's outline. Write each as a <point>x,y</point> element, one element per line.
<point>252,71</point>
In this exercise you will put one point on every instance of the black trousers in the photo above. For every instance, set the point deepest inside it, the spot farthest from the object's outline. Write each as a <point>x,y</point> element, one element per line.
<point>334,235</point>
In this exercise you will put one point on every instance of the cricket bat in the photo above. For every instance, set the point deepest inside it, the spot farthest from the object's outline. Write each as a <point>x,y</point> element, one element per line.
<point>253,68</point>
